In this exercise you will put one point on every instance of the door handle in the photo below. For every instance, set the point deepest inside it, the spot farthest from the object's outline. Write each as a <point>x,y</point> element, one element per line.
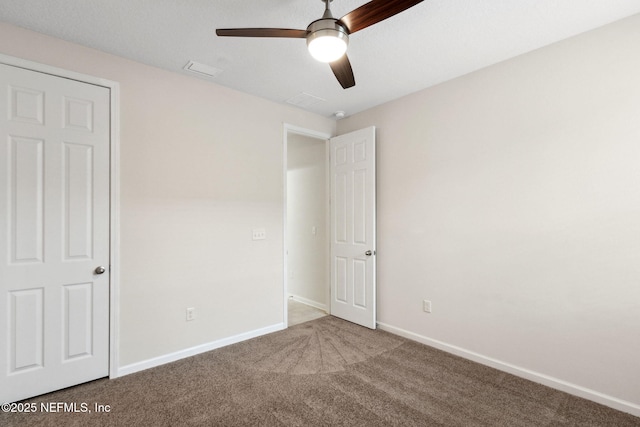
<point>99,270</point>
<point>368,253</point>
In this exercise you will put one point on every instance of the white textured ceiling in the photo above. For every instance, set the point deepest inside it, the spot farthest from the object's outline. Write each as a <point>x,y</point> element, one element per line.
<point>435,41</point>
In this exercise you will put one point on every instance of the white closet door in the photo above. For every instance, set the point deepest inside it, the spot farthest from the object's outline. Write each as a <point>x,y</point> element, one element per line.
<point>54,232</point>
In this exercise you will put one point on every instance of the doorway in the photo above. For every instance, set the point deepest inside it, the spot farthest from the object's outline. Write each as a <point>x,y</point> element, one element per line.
<point>306,225</point>
<point>330,223</point>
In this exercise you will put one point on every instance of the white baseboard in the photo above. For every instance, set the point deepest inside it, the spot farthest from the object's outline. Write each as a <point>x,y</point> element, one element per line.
<point>307,301</point>
<point>576,390</point>
<point>188,352</point>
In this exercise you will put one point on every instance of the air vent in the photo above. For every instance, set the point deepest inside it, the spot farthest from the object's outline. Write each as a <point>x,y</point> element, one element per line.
<point>202,69</point>
<point>305,100</point>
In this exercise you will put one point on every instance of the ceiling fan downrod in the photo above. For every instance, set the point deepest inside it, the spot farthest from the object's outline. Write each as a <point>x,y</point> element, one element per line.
<point>327,9</point>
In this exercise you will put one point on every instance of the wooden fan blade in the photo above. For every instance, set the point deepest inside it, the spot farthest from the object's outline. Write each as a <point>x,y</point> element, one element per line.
<point>343,72</point>
<point>262,32</point>
<point>374,12</point>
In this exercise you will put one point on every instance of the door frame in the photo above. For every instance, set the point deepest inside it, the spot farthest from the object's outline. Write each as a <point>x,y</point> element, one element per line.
<point>292,129</point>
<point>114,192</point>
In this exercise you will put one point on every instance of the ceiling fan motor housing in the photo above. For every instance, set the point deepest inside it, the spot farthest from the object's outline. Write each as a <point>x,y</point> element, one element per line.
<point>327,27</point>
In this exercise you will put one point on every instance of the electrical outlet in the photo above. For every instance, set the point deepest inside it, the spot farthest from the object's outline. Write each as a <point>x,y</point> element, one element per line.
<point>191,314</point>
<point>426,306</point>
<point>259,234</point>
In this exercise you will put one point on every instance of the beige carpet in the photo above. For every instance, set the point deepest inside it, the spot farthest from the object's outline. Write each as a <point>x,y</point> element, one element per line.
<point>322,373</point>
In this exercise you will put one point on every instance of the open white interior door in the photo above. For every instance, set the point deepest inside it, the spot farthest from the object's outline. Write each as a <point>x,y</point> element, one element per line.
<point>54,232</point>
<point>353,227</point>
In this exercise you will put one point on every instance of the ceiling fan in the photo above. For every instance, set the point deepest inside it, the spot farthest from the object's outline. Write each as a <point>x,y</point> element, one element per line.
<point>328,37</point>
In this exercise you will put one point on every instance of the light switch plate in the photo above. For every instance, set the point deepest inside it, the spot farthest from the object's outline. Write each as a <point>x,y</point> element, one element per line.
<point>259,234</point>
<point>426,306</point>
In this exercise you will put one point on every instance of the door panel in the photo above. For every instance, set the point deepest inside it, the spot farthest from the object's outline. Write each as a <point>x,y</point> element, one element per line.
<point>26,315</point>
<point>78,201</point>
<point>26,194</point>
<point>78,316</point>
<point>353,281</point>
<point>54,232</point>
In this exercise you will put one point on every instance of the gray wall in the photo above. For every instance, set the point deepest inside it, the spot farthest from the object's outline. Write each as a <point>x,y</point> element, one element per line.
<point>510,198</point>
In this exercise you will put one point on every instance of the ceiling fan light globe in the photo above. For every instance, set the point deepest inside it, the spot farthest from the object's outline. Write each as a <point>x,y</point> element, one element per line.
<point>327,45</point>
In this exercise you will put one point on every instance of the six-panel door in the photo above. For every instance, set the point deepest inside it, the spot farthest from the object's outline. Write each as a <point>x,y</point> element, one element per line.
<point>353,237</point>
<point>54,232</point>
